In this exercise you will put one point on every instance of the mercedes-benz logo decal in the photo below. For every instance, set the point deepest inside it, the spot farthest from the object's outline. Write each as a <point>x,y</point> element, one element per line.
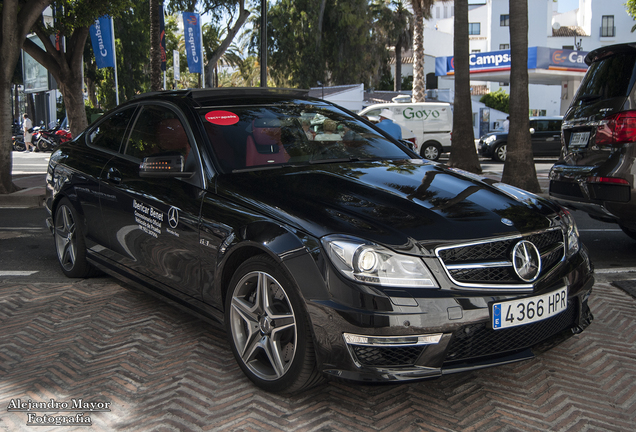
<point>526,261</point>
<point>173,217</point>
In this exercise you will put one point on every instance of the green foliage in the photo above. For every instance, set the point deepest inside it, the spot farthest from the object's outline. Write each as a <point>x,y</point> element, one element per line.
<point>631,11</point>
<point>498,100</point>
<point>341,46</point>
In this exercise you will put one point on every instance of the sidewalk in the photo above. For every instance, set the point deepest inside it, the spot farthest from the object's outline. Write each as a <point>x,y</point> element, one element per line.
<point>31,193</point>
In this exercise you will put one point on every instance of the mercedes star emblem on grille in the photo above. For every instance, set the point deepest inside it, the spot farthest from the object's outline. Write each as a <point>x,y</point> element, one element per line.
<point>526,261</point>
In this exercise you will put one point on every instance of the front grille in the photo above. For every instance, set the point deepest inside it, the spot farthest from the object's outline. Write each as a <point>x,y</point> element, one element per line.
<point>386,356</point>
<point>569,189</point>
<point>490,262</point>
<point>480,340</point>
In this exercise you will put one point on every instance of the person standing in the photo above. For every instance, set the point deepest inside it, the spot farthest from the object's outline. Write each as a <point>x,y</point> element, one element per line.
<point>387,125</point>
<point>27,124</point>
<point>506,124</point>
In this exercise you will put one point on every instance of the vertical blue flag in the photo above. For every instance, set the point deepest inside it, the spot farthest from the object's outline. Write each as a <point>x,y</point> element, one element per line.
<point>102,40</point>
<point>162,40</point>
<point>192,34</point>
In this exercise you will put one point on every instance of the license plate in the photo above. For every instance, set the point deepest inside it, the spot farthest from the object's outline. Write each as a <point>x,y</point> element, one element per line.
<point>524,311</point>
<point>579,139</point>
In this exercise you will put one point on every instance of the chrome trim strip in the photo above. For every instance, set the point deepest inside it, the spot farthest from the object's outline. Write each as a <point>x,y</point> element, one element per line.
<point>480,265</point>
<point>392,341</point>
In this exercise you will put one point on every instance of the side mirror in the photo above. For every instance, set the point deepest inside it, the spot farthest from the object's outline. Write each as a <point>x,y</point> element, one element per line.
<point>531,130</point>
<point>166,166</point>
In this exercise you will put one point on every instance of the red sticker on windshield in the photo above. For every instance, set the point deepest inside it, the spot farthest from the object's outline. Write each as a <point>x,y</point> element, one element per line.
<point>222,118</point>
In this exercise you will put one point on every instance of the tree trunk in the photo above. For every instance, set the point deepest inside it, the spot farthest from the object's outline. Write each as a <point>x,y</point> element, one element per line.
<point>218,53</point>
<point>156,81</point>
<point>463,153</point>
<point>66,68</point>
<point>397,82</point>
<point>419,80</point>
<point>14,27</point>
<point>519,169</point>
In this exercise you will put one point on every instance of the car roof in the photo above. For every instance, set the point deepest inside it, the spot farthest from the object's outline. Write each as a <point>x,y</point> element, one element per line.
<point>228,95</point>
<point>607,51</point>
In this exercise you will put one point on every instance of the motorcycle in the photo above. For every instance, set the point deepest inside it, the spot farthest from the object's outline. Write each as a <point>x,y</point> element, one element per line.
<point>49,139</point>
<point>18,143</point>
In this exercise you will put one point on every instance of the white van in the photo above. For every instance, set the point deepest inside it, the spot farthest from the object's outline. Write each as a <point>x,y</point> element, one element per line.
<point>431,122</point>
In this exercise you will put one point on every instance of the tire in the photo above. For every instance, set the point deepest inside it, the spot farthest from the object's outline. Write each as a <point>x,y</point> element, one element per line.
<point>19,146</point>
<point>500,152</point>
<point>69,242</point>
<point>431,150</point>
<point>630,232</point>
<point>268,329</point>
<point>44,145</point>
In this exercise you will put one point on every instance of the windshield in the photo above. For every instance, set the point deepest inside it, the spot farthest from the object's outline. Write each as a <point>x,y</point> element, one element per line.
<point>245,138</point>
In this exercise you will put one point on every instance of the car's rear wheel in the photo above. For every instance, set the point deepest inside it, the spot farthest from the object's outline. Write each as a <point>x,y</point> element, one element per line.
<point>500,152</point>
<point>629,231</point>
<point>268,330</point>
<point>431,150</point>
<point>69,242</point>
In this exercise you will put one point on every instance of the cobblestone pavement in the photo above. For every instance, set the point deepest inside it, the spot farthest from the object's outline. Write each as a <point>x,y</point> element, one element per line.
<point>159,368</point>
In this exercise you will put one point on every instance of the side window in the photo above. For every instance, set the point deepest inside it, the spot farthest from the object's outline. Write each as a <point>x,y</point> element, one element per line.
<point>554,125</point>
<point>541,126</point>
<point>157,130</point>
<point>109,134</point>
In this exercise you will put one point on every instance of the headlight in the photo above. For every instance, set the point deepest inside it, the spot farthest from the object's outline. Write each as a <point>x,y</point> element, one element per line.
<point>489,139</point>
<point>571,232</point>
<point>369,263</point>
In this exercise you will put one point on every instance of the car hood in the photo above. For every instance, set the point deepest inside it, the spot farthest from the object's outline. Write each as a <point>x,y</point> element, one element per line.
<point>395,203</point>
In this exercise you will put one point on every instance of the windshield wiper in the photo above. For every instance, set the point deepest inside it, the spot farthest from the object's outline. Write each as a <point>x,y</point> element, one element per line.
<point>589,97</point>
<point>337,160</point>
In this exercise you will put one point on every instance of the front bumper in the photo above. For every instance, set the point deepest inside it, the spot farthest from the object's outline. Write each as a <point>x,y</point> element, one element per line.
<point>440,336</point>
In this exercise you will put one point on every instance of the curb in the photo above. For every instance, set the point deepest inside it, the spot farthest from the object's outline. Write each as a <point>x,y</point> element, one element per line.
<point>31,194</point>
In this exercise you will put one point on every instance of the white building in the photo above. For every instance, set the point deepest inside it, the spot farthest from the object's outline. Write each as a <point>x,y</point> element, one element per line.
<point>593,24</point>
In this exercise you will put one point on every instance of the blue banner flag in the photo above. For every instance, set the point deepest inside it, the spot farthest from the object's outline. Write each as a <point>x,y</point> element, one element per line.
<point>192,34</point>
<point>162,39</point>
<point>102,40</point>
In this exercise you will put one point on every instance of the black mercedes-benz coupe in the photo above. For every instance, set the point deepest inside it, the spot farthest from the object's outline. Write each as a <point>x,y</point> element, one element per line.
<point>325,247</point>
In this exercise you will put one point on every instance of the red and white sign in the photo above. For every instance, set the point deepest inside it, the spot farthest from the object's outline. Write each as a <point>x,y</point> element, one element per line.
<point>222,118</point>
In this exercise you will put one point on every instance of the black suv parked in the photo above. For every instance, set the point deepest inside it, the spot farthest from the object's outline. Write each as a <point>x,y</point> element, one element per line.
<point>596,173</point>
<point>546,139</point>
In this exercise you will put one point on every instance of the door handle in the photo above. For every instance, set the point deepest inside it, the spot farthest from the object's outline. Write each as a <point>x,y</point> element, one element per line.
<point>113,175</point>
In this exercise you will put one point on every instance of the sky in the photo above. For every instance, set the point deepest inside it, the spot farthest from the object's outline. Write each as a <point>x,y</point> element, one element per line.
<point>567,5</point>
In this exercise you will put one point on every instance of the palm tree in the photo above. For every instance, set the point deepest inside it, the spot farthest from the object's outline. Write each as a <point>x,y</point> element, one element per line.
<point>421,11</point>
<point>463,153</point>
<point>404,29</point>
<point>519,169</point>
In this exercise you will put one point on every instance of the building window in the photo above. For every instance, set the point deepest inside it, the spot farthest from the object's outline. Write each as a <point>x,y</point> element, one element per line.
<point>474,28</point>
<point>504,46</point>
<point>504,20</point>
<point>607,26</point>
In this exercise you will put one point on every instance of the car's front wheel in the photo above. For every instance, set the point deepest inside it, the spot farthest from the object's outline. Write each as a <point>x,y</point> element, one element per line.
<point>500,152</point>
<point>431,150</point>
<point>268,330</point>
<point>69,242</point>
